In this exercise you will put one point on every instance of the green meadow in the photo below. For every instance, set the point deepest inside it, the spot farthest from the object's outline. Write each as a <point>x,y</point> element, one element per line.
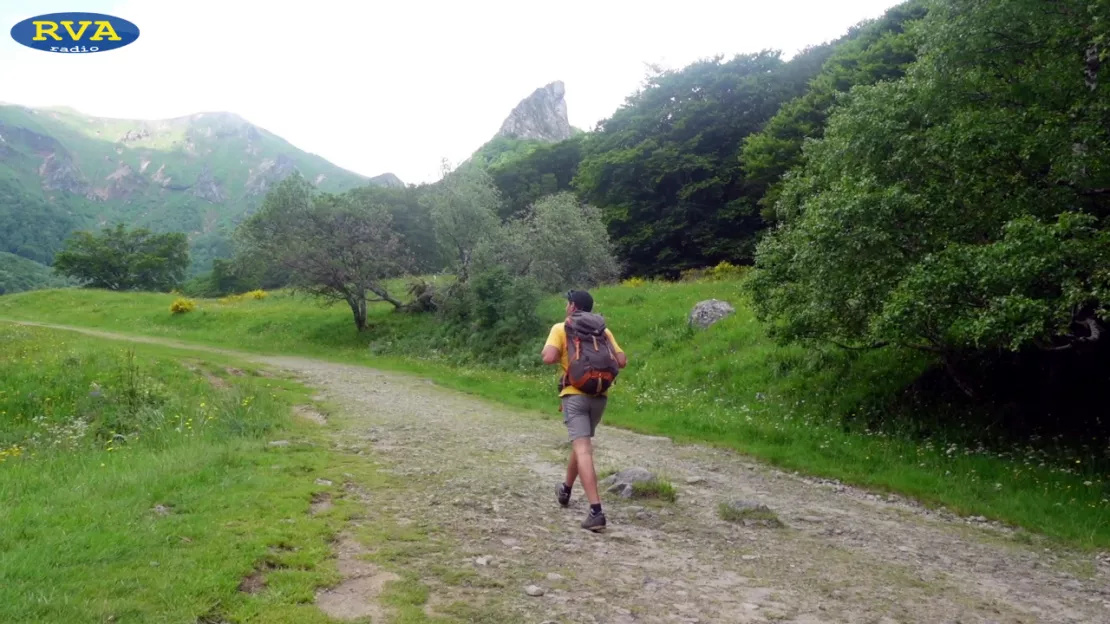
<point>728,386</point>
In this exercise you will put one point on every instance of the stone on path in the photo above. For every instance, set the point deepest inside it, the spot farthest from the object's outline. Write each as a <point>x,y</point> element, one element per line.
<point>621,483</point>
<point>534,590</point>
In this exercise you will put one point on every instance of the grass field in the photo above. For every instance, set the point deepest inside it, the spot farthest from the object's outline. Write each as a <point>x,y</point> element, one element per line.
<point>139,486</point>
<point>728,386</point>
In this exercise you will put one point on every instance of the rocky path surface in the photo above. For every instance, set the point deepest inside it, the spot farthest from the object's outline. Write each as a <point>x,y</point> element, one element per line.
<point>480,480</point>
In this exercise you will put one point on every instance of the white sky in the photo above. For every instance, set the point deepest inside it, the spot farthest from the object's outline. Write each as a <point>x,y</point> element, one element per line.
<point>378,86</point>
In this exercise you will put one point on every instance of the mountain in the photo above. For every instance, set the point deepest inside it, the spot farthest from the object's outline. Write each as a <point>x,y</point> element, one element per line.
<point>539,119</point>
<point>61,170</point>
<point>541,116</point>
<point>18,274</point>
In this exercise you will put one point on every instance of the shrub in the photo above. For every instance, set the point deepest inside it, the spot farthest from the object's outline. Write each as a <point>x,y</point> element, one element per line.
<point>493,313</point>
<point>724,271</point>
<point>182,305</point>
<point>727,271</point>
<point>634,282</point>
<point>258,294</point>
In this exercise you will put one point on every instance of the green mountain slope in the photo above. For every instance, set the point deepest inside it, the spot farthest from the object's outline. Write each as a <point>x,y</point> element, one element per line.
<point>18,274</point>
<point>61,170</point>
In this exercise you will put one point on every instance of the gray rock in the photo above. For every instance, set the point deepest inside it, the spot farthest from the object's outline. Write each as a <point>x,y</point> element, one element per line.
<point>748,506</point>
<point>552,576</point>
<point>707,313</point>
<point>534,590</point>
<point>207,187</point>
<point>324,482</point>
<point>541,116</point>
<point>621,483</point>
<point>484,560</point>
<point>694,480</point>
<point>280,443</point>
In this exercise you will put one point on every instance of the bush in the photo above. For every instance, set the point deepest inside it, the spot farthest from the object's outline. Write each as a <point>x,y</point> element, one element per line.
<point>724,271</point>
<point>727,271</point>
<point>493,313</point>
<point>258,294</point>
<point>634,282</point>
<point>182,305</point>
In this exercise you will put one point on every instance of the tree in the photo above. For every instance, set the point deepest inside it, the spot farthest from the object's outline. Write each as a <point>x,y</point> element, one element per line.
<point>463,207</point>
<point>122,259</point>
<point>873,52</point>
<point>559,242</point>
<point>335,247</point>
<point>412,220</point>
<point>548,169</point>
<point>965,207</point>
<point>663,168</point>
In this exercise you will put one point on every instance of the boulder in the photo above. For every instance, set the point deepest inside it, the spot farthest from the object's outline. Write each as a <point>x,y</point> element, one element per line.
<point>621,482</point>
<point>707,313</point>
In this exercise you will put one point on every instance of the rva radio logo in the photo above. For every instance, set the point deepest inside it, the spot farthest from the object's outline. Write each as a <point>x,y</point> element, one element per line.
<point>80,33</point>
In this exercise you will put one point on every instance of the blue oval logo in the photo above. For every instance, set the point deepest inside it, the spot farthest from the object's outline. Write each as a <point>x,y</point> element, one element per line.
<point>70,33</point>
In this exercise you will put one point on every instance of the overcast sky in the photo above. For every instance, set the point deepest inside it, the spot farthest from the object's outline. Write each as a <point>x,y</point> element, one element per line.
<point>378,86</point>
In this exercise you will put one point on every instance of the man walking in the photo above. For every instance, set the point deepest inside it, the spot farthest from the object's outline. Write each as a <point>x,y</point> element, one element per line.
<point>591,360</point>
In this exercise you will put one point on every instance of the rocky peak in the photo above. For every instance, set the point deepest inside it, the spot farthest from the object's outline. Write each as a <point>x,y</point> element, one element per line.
<point>541,116</point>
<point>387,180</point>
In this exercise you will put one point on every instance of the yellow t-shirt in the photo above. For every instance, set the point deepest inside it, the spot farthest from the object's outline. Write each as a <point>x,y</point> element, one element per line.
<point>558,339</point>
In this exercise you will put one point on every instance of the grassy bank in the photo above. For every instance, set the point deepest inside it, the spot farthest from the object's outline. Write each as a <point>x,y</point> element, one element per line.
<point>139,486</point>
<point>728,386</point>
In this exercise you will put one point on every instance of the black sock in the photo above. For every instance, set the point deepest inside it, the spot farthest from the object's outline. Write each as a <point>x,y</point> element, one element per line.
<point>595,508</point>
<point>566,488</point>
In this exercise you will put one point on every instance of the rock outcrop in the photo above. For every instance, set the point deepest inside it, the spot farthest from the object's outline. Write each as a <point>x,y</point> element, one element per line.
<point>269,173</point>
<point>541,116</point>
<point>207,188</point>
<point>59,173</point>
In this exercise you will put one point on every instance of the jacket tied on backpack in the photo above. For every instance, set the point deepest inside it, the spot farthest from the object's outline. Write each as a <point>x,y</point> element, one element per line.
<point>591,362</point>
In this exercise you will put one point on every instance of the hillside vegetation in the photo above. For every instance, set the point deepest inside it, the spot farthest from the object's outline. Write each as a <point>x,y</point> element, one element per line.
<point>61,170</point>
<point>18,274</point>
<point>729,385</point>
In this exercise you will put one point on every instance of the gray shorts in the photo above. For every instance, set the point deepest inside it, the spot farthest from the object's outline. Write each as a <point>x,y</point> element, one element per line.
<point>581,414</point>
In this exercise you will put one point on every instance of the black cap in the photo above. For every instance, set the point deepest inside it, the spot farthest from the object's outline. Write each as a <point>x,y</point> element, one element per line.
<point>581,300</point>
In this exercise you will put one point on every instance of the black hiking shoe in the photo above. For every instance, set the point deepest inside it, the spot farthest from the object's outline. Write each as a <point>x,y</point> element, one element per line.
<point>563,494</point>
<point>594,522</point>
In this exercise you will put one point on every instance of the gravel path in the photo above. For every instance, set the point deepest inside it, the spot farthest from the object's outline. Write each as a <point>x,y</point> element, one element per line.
<point>481,479</point>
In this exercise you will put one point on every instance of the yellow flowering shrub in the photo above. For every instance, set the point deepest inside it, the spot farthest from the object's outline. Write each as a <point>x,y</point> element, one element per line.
<point>182,305</point>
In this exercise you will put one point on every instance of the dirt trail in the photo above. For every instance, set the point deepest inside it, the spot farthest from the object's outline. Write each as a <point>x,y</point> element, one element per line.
<point>482,478</point>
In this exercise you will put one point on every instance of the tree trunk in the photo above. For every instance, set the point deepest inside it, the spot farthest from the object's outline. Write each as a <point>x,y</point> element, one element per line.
<point>358,308</point>
<point>384,294</point>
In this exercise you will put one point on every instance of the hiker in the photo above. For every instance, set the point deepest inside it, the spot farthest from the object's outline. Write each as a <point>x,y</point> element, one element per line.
<point>591,359</point>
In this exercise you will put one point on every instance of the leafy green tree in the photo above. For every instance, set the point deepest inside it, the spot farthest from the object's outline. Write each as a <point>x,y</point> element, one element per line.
<point>122,259</point>
<point>663,168</point>
<point>964,207</point>
<point>463,206</point>
<point>334,247</point>
<point>411,219</point>
<point>548,169</point>
<point>874,51</point>
<point>559,243</point>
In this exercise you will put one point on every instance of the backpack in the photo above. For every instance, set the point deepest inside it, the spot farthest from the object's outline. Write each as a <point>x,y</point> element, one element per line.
<point>592,365</point>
